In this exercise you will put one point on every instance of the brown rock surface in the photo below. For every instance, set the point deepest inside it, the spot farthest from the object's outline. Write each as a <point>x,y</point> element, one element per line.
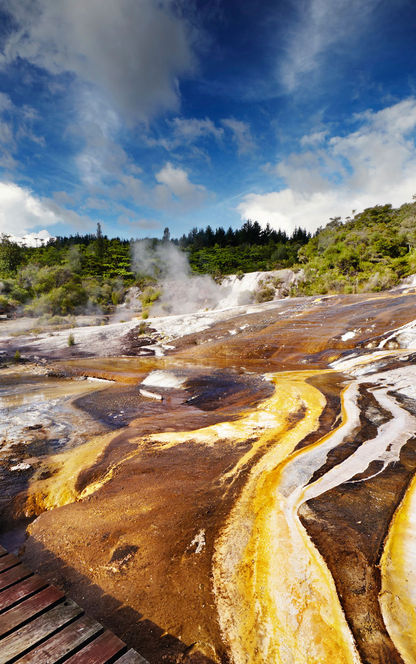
<point>137,551</point>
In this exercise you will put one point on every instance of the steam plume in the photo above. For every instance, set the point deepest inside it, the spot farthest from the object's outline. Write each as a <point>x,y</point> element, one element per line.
<point>182,291</point>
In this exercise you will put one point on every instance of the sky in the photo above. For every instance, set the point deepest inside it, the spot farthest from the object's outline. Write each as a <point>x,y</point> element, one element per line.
<point>146,114</point>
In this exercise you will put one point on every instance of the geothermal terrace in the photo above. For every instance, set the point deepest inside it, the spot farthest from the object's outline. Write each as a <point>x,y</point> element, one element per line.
<point>224,487</point>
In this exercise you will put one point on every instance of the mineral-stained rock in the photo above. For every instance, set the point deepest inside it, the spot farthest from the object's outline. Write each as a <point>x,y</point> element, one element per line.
<point>198,531</point>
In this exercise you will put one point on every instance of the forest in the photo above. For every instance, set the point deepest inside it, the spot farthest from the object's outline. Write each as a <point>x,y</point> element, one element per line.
<point>93,272</point>
<point>370,251</point>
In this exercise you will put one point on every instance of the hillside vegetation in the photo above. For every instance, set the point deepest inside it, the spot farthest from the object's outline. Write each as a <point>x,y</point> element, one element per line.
<point>371,251</point>
<point>91,273</point>
<point>69,275</point>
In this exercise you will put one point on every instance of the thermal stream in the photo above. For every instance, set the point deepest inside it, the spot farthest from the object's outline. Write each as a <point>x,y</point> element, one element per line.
<point>276,597</point>
<point>398,569</point>
<point>228,512</point>
<point>277,600</point>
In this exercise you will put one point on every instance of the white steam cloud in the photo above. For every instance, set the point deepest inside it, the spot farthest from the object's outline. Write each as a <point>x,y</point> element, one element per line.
<point>182,291</point>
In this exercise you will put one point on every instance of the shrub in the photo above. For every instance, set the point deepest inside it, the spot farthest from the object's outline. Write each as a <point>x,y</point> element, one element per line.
<point>20,294</point>
<point>4,304</point>
<point>63,300</point>
<point>380,281</point>
<point>264,294</point>
<point>49,278</point>
<point>149,296</point>
<point>71,340</point>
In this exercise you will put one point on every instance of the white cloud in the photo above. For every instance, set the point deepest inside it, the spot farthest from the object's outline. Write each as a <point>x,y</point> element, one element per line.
<point>96,203</point>
<point>321,27</point>
<point>172,191</point>
<point>185,133</point>
<point>102,162</point>
<point>21,210</point>
<point>374,164</point>
<point>193,129</point>
<point>63,198</point>
<point>5,102</point>
<point>16,124</point>
<point>241,134</point>
<point>133,51</point>
<point>7,161</point>
<point>130,188</point>
<point>6,134</point>
<point>314,139</point>
<point>7,140</point>
<point>175,189</point>
<point>175,179</point>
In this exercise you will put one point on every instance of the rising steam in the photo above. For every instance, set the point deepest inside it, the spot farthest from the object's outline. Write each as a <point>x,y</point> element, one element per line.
<point>182,291</point>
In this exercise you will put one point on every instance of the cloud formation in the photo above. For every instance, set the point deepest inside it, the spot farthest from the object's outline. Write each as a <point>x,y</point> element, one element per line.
<point>374,164</point>
<point>21,210</point>
<point>176,190</point>
<point>133,52</point>
<point>321,27</point>
<point>102,160</point>
<point>135,111</point>
<point>241,134</point>
<point>187,132</point>
<point>192,129</point>
<point>16,126</point>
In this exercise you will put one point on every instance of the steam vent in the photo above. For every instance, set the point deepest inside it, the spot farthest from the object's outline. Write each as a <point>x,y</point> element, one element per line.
<point>246,497</point>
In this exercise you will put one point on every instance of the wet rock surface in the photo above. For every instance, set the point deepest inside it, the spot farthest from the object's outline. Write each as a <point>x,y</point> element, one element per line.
<point>180,528</point>
<point>37,421</point>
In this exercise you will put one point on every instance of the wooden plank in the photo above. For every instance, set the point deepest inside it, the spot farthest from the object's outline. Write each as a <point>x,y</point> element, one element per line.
<point>99,651</point>
<point>48,637</point>
<point>63,643</point>
<point>131,657</point>
<point>12,575</point>
<point>29,609</point>
<point>20,590</point>
<point>32,634</point>
<point>8,561</point>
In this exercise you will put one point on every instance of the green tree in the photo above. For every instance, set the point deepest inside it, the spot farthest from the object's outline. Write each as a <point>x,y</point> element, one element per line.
<point>10,255</point>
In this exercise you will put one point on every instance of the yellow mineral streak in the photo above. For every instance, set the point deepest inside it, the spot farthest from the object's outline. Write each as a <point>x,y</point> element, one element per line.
<point>398,574</point>
<point>262,424</point>
<point>276,598</point>
<point>277,601</point>
<point>59,489</point>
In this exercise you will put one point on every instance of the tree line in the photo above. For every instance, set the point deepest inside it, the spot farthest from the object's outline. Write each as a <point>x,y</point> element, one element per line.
<point>93,271</point>
<point>372,250</point>
<point>250,232</point>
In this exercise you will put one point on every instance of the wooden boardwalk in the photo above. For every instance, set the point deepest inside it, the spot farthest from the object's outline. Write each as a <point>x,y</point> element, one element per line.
<point>39,625</point>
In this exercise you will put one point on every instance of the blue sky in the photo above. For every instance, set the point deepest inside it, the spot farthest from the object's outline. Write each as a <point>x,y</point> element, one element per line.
<point>143,114</point>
